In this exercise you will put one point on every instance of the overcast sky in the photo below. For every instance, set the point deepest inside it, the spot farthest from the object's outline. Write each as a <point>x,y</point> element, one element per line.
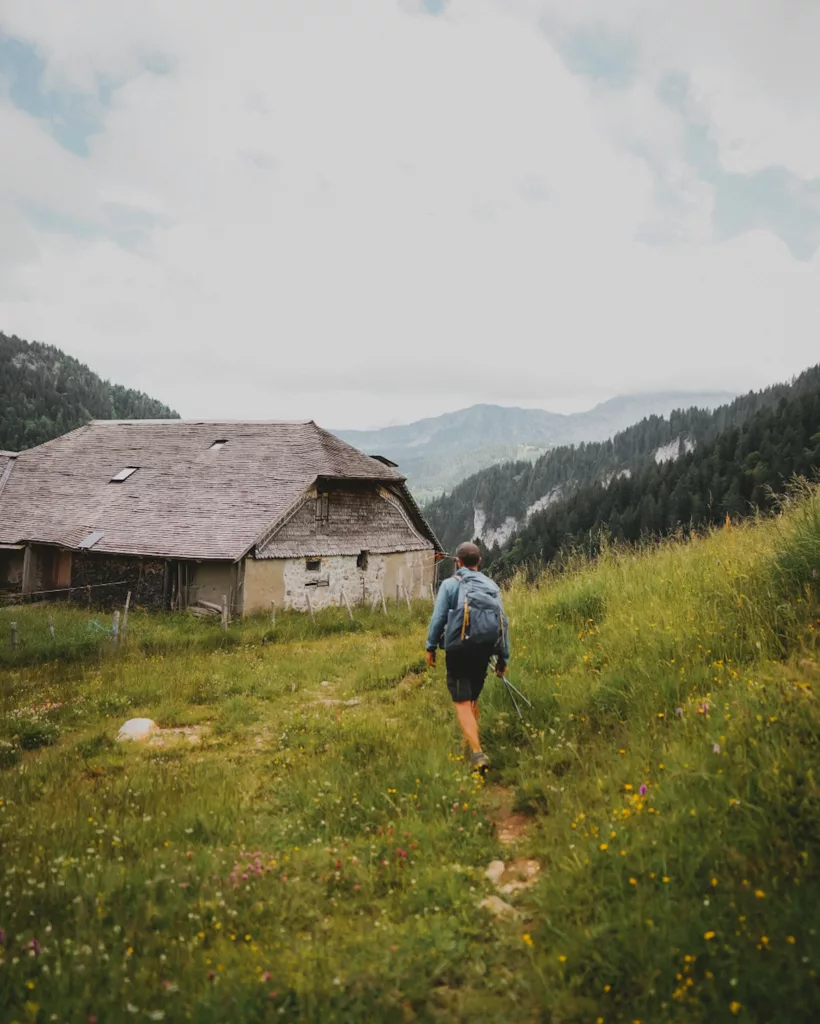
<point>366,211</point>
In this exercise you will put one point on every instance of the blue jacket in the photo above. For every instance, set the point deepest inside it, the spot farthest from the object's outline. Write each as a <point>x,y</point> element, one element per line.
<point>447,601</point>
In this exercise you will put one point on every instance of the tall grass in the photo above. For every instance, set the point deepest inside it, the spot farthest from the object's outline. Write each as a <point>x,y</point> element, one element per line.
<point>315,861</point>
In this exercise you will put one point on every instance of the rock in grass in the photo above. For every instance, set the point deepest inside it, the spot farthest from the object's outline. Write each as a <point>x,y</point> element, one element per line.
<point>137,729</point>
<point>498,908</point>
<point>494,871</point>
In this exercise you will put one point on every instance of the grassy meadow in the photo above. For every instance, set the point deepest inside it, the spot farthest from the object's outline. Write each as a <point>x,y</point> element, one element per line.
<point>319,854</point>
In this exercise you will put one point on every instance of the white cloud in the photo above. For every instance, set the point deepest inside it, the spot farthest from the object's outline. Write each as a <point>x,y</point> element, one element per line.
<point>352,202</point>
<point>753,65</point>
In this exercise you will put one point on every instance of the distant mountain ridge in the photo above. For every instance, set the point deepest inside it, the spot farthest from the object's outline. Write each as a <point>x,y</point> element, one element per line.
<point>437,452</point>
<point>45,393</point>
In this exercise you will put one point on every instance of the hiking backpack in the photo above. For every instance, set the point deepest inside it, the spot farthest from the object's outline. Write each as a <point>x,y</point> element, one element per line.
<point>478,618</point>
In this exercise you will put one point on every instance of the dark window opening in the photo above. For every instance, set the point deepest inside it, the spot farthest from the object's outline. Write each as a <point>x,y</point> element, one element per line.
<point>217,445</point>
<point>123,474</point>
<point>322,506</point>
<point>361,561</point>
<point>313,564</point>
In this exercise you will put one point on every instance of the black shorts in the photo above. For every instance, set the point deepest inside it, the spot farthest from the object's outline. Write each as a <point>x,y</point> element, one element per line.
<point>466,671</point>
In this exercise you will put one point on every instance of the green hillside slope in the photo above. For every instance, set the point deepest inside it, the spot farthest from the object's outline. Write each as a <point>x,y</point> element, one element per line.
<point>44,393</point>
<point>320,854</point>
<point>509,493</point>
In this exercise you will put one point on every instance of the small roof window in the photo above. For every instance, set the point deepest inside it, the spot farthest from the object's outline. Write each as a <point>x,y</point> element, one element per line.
<point>218,444</point>
<point>123,474</point>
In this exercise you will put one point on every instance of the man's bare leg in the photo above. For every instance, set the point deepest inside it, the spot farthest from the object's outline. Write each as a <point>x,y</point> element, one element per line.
<point>467,714</point>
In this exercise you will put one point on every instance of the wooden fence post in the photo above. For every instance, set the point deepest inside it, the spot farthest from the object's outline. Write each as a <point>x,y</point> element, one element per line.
<point>273,614</point>
<point>384,603</point>
<point>125,617</point>
<point>51,626</point>
<point>406,596</point>
<point>309,607</point>
<point>88,592</point>
<point>115,628</point>
<point>224,613</point>
<point>13,626</point>
<point>347,604</point>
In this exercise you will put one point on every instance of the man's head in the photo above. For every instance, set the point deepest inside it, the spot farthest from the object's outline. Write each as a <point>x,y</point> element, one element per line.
<point>468,555</point>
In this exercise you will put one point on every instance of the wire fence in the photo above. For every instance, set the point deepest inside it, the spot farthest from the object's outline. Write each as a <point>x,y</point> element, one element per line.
<point>88,587</point>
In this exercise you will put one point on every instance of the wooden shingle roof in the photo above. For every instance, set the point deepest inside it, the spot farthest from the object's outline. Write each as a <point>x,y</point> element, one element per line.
<point>186,499</point>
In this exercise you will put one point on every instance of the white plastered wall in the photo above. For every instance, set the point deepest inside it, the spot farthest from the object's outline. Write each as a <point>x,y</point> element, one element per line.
<point>287,581</point>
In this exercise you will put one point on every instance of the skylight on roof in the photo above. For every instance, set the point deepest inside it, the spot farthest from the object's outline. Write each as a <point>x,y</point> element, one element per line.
<point>217,445</point>
<point>123,474</point>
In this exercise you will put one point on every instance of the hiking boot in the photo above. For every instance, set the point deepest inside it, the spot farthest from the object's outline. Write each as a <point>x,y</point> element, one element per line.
<point>480,762</point>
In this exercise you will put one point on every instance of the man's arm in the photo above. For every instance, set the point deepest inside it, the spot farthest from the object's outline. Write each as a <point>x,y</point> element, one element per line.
<point>439,618</point>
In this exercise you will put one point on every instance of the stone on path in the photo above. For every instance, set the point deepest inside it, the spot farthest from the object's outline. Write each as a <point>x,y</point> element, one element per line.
<point>515,877</point>
<point>494,871</point>
<point>510,825</point>
<point>521,874</point>
<point>137,729</point>
<point>498,908</point>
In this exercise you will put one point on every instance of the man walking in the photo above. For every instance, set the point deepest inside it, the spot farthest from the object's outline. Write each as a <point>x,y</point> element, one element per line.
<point>469,623</point>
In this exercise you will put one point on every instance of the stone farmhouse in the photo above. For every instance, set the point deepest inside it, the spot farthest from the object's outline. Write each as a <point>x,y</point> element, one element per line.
<point>180,512</point>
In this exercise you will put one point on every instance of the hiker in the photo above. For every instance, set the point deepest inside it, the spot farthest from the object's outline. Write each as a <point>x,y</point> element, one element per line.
<point>469,623</point>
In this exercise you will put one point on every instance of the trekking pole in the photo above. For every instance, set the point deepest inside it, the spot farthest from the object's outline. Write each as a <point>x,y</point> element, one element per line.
<point>513,691</point>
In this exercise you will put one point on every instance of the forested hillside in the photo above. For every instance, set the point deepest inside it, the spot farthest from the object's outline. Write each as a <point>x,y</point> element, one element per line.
<point>742,469</point>
<point>44,393</point>
<point>502,499</point>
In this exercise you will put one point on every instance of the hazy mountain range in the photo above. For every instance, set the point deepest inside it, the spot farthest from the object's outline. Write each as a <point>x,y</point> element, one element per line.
<point>438,452</point>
